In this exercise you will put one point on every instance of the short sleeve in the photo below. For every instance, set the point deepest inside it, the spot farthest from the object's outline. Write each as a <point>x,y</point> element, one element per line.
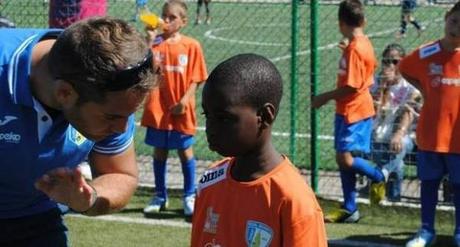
<point>117,143</point>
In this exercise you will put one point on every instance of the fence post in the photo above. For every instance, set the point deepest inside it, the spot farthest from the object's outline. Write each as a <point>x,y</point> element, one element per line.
<point>294,79</point>
<point>314,64</point>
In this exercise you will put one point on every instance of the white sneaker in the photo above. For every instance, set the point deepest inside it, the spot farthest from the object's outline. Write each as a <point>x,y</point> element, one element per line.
<point>189,205</point>
<point>156,205</point>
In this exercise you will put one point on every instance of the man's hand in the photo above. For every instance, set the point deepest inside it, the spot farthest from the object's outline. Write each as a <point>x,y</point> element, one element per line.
<point>69,187</point>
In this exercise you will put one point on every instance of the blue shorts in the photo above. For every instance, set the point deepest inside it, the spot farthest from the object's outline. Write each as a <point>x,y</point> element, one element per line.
<point>408,6</point>
<point>168,139</point>
<point>352,137</point>
<point>434,165</point>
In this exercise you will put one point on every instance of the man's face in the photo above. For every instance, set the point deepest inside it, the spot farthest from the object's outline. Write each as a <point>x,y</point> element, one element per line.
<point>231,129</point>
<point>97,121</point>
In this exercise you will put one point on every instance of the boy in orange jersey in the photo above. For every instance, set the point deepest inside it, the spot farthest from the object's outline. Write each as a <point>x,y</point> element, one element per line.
<point>354,111</point>
<point>434,69</point>
<point>169,112</point>
<point>256,197</point>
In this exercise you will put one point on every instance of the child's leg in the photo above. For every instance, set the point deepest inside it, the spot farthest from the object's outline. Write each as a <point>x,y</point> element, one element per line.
<point>429,199</point>
<point>198,10</point>
<point>188,163</point>
<point>348,179</point>
<point>403,28</point>
<point>360,166</point>
<point>456,190</point>
<point>159,171</point>
<point>208,12</point>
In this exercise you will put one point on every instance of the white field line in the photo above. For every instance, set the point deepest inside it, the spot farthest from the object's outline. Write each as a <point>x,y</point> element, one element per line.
<point>143,221</point>
<point>172,223</point>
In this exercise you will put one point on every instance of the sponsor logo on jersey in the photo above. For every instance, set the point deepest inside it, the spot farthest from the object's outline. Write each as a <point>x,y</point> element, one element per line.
<point>6,119</point>
<point>435,69</point>
<point>76,137</point>
<point>212,220</point>
<point>183,60</point>
<point>438,80</point>
<point>213,176</point>
<point>10,137</point>
<point>429,50</point>
<point>258,234</point>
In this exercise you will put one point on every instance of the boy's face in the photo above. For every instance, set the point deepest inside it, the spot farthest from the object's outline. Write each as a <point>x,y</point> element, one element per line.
<point>452,26</point>
<point>231,129</point>
<point>172,16</point>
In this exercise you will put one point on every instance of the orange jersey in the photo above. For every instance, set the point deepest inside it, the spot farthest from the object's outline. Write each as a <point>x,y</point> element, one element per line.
<point>278,209</point>
<point>438,73</point>
<point>356,69</point>
<point>181,63</point>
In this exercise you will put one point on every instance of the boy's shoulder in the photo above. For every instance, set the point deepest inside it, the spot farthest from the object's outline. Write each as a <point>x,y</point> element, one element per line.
<point>189,40</point>
<point>216,173</point>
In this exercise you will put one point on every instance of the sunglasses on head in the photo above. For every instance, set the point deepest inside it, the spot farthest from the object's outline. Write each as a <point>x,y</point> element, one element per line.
<point>388,61</point>
<point>121,79</point>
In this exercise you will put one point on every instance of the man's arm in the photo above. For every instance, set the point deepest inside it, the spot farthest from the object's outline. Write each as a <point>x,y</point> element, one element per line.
<point>339,93</point>
<point>115,180</point>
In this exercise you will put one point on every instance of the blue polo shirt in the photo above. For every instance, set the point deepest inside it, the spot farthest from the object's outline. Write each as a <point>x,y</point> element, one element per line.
<point>31,142</point>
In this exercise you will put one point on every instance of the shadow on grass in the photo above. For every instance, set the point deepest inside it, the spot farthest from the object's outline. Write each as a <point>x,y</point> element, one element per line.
<point>393,239</point>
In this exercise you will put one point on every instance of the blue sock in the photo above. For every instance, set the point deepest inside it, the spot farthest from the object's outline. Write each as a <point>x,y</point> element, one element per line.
<point>429,199</point>
<point>363,167</point>
<point>456,190</point>
<point>348,178</point>
<point>159,171</point>
<point>188,170</point>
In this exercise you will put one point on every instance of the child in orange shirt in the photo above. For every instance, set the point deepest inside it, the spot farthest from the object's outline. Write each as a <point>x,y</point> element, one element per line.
<point>354,111</point>
<point>434,69</point>
<point>169,112</point>
<point>256,197</point>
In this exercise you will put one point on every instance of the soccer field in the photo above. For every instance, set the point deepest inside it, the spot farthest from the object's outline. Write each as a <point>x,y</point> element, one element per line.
<point>380,226</point>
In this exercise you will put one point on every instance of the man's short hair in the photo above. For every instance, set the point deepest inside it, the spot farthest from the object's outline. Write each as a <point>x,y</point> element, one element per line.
<point>100,55</point>
<point>351,12</point>
<point>253,79</point>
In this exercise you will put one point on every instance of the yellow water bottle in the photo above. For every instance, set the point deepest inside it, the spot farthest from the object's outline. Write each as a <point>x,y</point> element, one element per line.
<point>150,19</point>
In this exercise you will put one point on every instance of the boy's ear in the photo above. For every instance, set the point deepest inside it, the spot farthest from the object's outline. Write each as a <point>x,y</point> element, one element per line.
<point>267,115</point>
<point>65,94</point>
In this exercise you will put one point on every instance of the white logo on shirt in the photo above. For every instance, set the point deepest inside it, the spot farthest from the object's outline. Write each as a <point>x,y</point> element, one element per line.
<point>212,219</point>
<point>7,119</point>
<point>435,69</point>
<point>10,137</point>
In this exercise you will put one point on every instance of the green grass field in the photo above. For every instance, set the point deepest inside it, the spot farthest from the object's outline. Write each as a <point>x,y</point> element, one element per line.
<point>382,225</point>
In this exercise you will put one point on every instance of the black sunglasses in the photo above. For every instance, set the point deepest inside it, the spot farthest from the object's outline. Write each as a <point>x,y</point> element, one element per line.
<point>120,79</point>
<point>388,61</point>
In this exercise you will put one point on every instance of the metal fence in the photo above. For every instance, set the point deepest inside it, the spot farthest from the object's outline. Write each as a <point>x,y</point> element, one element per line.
<point>300,37</point>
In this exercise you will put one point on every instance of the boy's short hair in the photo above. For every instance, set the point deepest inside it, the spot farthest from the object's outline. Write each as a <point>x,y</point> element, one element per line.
<point>253,79</point>
<point>100,55</point>
<point>351,12</point>
<point>179,3</point>
<point>394,46</point>
<point>454,8</point>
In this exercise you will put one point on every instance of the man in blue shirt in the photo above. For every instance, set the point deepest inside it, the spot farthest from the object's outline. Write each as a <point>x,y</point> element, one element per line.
<point>66,97</point>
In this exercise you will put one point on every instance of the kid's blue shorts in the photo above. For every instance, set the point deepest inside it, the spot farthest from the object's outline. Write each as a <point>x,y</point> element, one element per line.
<point>168,139</point>
<point>434,165</point>
<point>352,137</point>
<point>408,6</point>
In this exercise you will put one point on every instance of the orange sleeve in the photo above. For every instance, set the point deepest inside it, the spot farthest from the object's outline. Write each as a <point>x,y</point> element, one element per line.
<point>354,77</point>
<point>408,65</point>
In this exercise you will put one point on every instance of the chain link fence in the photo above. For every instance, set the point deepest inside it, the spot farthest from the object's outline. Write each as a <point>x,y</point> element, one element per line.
<point>276,29</point>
